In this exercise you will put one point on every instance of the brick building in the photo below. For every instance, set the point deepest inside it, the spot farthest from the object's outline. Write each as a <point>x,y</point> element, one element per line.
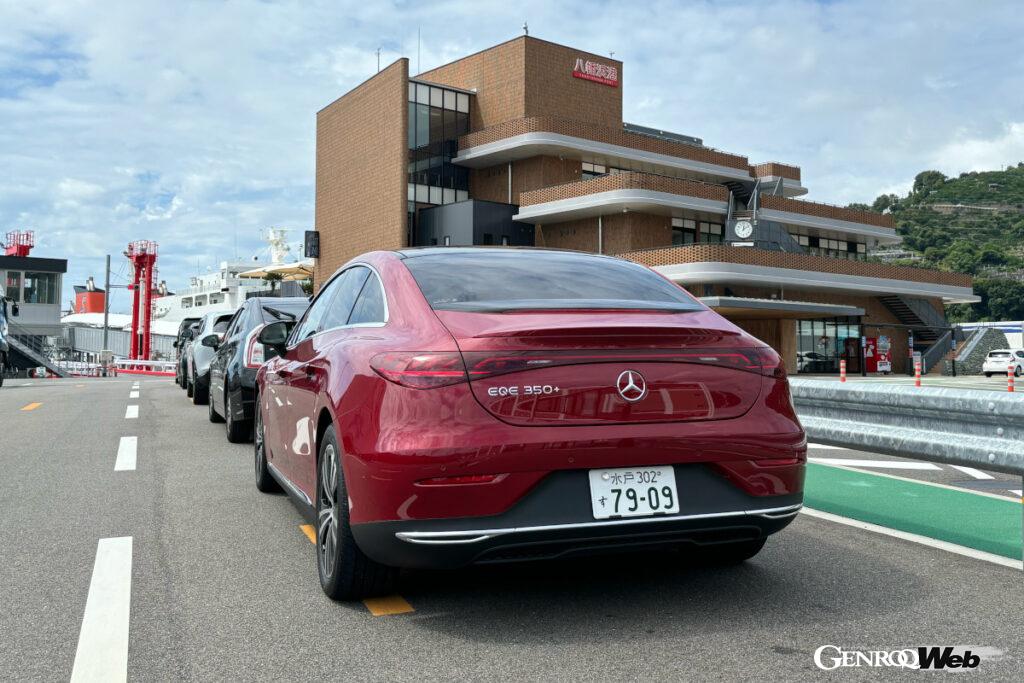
<point>524,144</point>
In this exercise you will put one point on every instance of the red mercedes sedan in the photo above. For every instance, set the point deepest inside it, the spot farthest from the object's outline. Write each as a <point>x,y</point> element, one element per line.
<point>438,407</point>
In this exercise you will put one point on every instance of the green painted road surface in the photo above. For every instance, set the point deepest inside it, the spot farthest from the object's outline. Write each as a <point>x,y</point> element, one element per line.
<point>968,519</point>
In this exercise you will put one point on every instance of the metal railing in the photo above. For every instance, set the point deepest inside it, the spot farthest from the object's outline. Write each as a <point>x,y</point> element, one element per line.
<point>951,426</point>
<point>35,347</point>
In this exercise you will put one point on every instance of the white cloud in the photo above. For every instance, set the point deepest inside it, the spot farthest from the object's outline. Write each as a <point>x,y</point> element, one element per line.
<point>965,153</point>
<point>192,123</point>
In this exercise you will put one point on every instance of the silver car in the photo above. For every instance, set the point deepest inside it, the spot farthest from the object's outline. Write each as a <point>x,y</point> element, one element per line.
<point>198,357</point>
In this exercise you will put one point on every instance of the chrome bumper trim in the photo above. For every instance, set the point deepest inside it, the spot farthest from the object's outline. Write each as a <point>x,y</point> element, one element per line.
<point>477,535</point>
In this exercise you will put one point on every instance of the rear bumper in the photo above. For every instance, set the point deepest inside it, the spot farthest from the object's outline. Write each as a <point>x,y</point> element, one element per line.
<point>554,520</point>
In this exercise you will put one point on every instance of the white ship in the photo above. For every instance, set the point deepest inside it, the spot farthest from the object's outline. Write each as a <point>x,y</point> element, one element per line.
<point>220,290</point>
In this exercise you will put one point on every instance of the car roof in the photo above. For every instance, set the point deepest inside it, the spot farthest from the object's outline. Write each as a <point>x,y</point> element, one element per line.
<point>411,252</point>
<point>269,300</point>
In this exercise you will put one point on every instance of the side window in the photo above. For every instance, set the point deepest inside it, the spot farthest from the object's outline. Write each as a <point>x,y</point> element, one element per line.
<point>234,325</point>
<point>221,325</point>
<point>338,312</point>
<point>369,306</point>
<point>1020,354</point>
<point>310,323</point>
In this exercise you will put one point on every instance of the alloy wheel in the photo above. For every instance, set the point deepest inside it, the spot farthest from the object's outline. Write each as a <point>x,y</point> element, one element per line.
<point>257,437</point>
<point>327,512</point>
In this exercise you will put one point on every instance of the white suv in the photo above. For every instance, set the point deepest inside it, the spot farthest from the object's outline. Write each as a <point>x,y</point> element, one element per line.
<point>1000,360</point>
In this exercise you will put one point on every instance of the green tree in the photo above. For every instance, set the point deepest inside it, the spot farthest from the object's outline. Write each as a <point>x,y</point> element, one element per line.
<point>925,181</point>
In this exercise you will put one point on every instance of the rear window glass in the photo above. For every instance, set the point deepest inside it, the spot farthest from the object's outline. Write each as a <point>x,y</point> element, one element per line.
<point>284,310</point>
<point>496,281</point>
<point>999,354</point>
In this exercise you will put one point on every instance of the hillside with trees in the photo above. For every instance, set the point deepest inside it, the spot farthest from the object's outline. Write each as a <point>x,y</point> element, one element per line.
<point>971,224</point>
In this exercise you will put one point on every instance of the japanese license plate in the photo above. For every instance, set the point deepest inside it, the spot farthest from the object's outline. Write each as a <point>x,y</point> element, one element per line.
<point>633,492</point>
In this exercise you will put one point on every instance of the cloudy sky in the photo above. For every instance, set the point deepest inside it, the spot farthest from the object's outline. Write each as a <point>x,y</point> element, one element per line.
<point>192,123</point>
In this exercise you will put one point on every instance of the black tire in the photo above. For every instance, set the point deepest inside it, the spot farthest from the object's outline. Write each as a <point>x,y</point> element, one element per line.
<point>346,573</point>
<point>212,413</point>
<point>1016,371</point>
<point>238,431</point>
<point>200,393</point>
<point>731,553</point>
<point>265,482</point>
<point>190,387</point>
<point>988,374</point>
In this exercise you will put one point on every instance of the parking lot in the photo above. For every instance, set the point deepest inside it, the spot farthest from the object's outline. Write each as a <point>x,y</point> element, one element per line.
<point>218,581</point>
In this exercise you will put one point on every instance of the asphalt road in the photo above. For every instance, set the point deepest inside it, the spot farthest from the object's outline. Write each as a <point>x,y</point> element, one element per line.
<point>223,583</point>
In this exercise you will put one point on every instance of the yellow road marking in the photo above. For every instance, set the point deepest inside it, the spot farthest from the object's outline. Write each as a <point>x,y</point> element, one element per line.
<point>379,607</point>
<point>32,406</point>
<point>392,604</point>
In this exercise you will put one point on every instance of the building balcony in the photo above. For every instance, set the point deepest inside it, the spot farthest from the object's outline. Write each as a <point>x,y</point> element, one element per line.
<point>615,193</point>
<point>723,264</point>
<point>828,218</point>
<point>551,136</point>
<point>772,173</point>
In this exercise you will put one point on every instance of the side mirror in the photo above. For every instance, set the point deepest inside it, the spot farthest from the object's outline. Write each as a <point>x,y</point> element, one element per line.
<point>211,340</point>
<point>275,336</point>
<point>15,310</point>
<point>175,344</point>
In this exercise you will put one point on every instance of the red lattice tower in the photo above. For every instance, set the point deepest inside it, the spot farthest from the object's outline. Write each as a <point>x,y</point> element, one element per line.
<point>142,254</point>
<point>19,243</point>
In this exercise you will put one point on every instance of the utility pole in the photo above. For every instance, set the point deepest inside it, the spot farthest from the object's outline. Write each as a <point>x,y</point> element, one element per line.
<point>106,309</point>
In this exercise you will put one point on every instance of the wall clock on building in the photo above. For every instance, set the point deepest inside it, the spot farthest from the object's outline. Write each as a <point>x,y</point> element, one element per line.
<point>744,229</point>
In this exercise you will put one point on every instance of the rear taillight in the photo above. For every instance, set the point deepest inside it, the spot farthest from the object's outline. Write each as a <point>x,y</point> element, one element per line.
<point>763,361</point>
<point>420,370</point>
<point>255,354</point>
<point>438,369</point>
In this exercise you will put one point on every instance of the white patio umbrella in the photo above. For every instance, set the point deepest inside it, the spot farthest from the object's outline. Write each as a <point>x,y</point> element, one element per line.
<point>301,270</point>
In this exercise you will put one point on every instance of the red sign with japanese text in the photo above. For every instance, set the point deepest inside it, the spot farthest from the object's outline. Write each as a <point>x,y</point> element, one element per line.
<point>597,72</point>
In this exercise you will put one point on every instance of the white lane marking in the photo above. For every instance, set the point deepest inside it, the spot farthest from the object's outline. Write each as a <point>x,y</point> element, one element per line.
<point>133,394</point>
<point>126,452</point>
<point>1019,492</point>
<point>102,653</point>
<point>915,538</point>
<point>131,412</point>
<point>830,448</point>
<point>883,464</point>
<point>970,471</point>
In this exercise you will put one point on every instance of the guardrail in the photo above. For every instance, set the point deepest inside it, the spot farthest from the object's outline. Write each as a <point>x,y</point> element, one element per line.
<point>951,426</point>
<point>162,368</point>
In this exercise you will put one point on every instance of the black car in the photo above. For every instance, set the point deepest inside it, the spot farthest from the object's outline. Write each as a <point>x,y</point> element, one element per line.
<point>239,355</point>
<point>185,333</point>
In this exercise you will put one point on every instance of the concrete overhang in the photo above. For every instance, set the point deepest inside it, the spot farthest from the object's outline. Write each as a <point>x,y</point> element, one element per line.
<point>790,187</point>
<point>778,308</point>
<point>710,272</point>
<point>616,201</point>
<point>883,235</point>
<point>526,145</point>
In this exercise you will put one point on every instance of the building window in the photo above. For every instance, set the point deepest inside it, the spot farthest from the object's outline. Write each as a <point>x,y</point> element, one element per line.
<point>711,232</point>
<point>437,118</point>
<point>590,170</point>
<point>821,344</point>
<point>12,285</point>
<point>41,288</point>
<point>832,248</point>
<point>504,240</point>
<point>447,240</point>
<point>684,231</point>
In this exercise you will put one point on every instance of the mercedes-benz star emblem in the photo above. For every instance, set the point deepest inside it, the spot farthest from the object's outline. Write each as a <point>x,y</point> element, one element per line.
<point>631,385</point>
